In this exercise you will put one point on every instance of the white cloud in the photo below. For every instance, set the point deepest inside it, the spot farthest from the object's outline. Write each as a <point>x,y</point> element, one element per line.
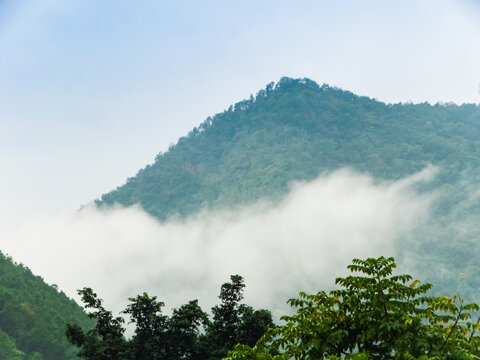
<point>301,243</point>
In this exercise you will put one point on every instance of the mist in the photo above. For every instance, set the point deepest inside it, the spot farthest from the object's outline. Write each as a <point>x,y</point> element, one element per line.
<point>300,243</point>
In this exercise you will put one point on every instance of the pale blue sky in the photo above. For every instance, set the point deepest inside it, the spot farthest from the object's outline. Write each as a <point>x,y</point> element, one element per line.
<point>91,91</point>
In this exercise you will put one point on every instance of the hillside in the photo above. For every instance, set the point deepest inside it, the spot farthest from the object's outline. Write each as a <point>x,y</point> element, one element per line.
<point>33,316</point>
<point>295,130</point>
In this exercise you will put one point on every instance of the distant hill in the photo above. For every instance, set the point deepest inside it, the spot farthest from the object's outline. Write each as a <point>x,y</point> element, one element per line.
<point>33,316</point>
<point>295,130</point>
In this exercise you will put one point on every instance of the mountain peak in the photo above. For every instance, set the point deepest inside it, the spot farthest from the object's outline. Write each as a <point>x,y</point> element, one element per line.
<point>291,130</point>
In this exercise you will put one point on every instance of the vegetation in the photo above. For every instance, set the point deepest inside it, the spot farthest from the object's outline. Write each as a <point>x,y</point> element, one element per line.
<point>374,315</point>
<point>295,130</point>
<point>33,316</point>
<point>187,334</point>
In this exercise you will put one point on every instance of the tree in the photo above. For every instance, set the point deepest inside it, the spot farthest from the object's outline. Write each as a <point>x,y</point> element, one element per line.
<point>374,315</point>
<point>150,328</point>
<point>227,315</point>
<point>234,322</point>
<point>106,340</point>
<point>185,326</point>
<point>8,351</point>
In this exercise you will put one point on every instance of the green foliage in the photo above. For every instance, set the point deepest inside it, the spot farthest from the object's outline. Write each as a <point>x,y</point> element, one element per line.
<point>8,351</point>
<point>33,316</point>
<point>106,340</point>
<point>227,315</point>
<point>186,328</point>
<point>374,315</point>
<point>234,322</point>
<point>150,326</point>
<point>187,334</point>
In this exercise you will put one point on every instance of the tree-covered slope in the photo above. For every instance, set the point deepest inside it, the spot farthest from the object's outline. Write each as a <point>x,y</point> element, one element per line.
<point>295,130</point>
<point>33,316</point>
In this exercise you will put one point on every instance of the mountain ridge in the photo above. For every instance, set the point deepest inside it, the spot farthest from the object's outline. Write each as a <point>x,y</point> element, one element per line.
<point>297,109</point>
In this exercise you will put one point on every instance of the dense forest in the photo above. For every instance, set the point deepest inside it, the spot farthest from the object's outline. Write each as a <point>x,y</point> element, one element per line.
<point>295,130</point>
<point>33,316</point>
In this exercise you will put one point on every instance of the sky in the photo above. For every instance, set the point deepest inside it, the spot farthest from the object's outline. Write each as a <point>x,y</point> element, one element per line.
<point>91,91</point>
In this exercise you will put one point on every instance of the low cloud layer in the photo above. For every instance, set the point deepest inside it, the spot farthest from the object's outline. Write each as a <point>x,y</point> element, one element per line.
<point>301,243</point>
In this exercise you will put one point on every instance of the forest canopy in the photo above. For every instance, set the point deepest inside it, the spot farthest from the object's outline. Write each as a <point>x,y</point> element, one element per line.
<point>295,130</point>
<point>374,314</point>
<point>189,333</point>
<point>33,315</point>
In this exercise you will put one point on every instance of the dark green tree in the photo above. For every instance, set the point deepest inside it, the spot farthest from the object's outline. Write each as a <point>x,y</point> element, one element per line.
<point>234,322</point>
<point>106,340</point>
<point>186,325</point>
<point>227,315</point>
<point>253,325</point>
<point>150,328</point>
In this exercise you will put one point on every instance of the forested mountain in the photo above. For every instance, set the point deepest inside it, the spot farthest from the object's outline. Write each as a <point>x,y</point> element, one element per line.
<point>295,130</point>
<point>33,316</point>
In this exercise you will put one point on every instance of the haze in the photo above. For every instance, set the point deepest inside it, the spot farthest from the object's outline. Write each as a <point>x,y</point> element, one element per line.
<point>302,243</point>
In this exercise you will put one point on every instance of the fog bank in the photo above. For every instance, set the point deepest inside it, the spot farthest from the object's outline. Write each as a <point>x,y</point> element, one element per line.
<point>301,243</point>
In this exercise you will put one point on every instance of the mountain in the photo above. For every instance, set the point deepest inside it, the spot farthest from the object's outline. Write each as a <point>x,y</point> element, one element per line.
<point>33,316</point>
<point>295,130</point>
